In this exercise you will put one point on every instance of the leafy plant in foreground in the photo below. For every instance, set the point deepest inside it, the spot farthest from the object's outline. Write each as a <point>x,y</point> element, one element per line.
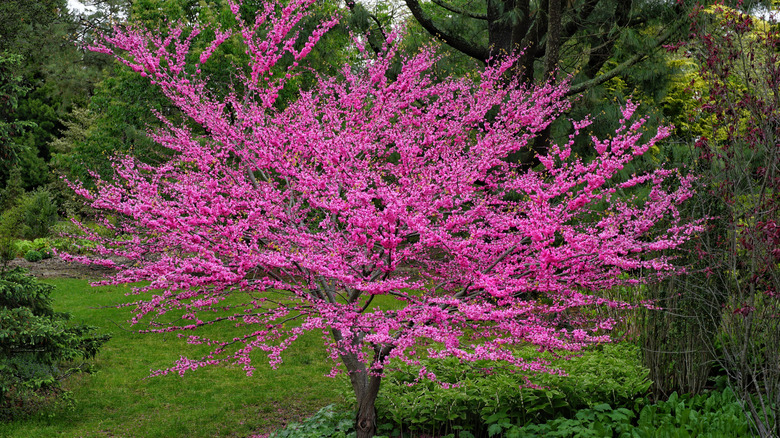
<point>716,414</point>
<point>476,396</point>
<point>710,415</point>
<point>326,423</point>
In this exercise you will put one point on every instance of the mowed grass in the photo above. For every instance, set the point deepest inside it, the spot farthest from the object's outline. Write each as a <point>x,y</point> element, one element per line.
<point>118,400</point>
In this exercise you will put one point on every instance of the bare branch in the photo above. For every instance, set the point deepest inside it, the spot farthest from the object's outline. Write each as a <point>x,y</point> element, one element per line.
<point>453,40</point>
<point>459,11</point>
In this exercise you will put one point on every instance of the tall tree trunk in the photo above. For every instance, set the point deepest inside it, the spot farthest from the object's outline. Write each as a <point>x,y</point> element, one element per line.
<point>553,45</point>
<point>501,28</point>
<point>551,56</point>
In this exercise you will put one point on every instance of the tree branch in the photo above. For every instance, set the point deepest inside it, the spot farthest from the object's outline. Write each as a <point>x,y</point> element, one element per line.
<point>452,40</point>
<point>372,42</point>
<point>620,68</point>
<point>453,9</point>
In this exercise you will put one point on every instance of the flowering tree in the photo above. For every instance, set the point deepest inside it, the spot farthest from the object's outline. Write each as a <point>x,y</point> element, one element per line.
<point>366,187</point>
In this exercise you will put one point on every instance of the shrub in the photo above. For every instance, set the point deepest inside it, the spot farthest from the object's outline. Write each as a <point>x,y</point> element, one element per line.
<point>33,256</point>
<point>40,214</point>
<point>482,396</point>
<point>711,415</point>
<point>715,414</point>
<point>37,346</point>
<point>326,423</point>
<point>10,224</point>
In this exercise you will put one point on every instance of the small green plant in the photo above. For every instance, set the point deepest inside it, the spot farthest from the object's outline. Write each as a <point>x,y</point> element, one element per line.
<point>712,415</point>
<point>33,256</point>
<point>326,423</point>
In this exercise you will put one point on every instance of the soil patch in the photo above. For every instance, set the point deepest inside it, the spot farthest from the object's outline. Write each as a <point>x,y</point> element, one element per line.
<point>56,267</point>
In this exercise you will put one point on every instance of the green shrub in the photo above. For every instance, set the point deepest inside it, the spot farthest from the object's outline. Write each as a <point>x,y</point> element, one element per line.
<point>712,415</point>
<point>11,222</point>
<point>487,396</point>
<point>21,247</point>
<point>33,256</point>
<point>37,345</point>
<point>326,423</point>
<point>40,214</point>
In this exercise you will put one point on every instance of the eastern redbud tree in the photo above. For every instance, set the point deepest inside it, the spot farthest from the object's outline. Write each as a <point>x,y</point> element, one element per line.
<point>367,186</point>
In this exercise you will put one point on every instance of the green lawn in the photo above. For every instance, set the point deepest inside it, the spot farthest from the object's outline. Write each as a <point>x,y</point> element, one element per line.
<point>118,400</point>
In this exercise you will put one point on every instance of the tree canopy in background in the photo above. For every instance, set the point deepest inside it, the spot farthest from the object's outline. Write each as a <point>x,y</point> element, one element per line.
<point>57,74</point>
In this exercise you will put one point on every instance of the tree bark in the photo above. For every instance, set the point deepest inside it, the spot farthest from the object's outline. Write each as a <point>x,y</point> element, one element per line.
<point>366,392</point>
<point>365,382</point>
<point>552,48</point>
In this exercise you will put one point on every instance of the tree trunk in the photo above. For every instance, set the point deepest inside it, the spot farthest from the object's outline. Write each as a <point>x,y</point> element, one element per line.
<point>366,388</point>
<point>365,383</point>
<point>552,47</point>
<point>365,420</point>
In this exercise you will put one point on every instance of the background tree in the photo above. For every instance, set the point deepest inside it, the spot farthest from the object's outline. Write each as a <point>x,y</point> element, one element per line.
<point>555,36</point>
<point>305,213</point>
<point>728,312</point>
<point>611,48</point>
<point>739,57</point>
<point>11,89</point>
<point>55,72</point>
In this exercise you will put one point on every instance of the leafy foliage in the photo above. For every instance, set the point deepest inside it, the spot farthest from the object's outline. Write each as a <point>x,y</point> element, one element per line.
<point>38,346</point>
<point>712,415</point>
<point>326,423</point>
<point>476,396</point>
